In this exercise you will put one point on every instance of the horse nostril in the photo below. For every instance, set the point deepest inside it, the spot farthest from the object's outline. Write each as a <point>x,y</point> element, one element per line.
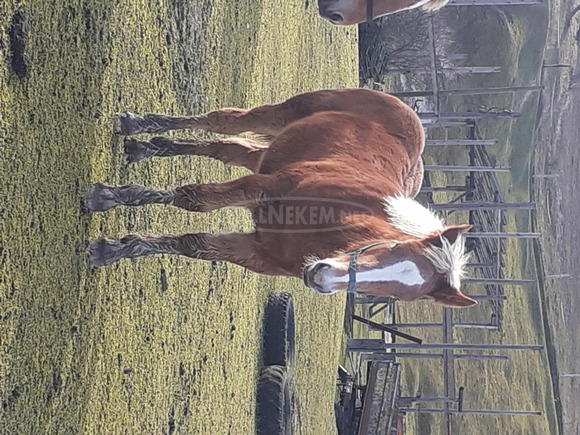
<point>318,267</point>
<point>335,18</point>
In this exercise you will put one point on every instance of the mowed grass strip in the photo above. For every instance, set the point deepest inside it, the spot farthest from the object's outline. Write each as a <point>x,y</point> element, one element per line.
<point>160,344</point>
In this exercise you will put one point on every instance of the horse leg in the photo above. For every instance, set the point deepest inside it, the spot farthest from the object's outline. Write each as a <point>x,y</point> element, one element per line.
<point>238,248</point>
<point>246,191</point>
<point>234,151</point>
<point>267,120</point>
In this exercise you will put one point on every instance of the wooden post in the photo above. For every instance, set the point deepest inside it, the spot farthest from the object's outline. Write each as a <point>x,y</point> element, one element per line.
<point>376,345</point>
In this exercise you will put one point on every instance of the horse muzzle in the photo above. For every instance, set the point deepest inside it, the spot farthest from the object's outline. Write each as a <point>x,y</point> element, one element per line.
<point>313,279</point>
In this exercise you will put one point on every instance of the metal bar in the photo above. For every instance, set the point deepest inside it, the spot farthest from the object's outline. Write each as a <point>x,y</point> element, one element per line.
<point>479,264</point>
<point>465,168</point>
<point>488,297</point>
<point>477,356</point>
<point>440,356</point>
<point>493,2</point>
<point>369,344</point>
<point>430,189</point>
<point>483,205</point>
<point>373,312</point>
<point>498,281</point>
<point>471,411</point>
<point>433,59</point>
<point>448,364</point>
<point>427,117</point>
<point>483,91</point>
<point>460,142</point>
<point>429,399</point>
<point>472,69</point>
<point>444,124</point>
<point>503,235</point>
<point>438,325</point>
<point>386,329</point>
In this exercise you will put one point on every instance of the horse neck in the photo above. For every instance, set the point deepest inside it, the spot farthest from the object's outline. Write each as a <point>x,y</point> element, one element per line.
<point>370,229</point>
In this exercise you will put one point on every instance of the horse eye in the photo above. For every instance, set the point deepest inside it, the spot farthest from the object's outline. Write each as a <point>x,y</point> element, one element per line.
<point>395,246</point>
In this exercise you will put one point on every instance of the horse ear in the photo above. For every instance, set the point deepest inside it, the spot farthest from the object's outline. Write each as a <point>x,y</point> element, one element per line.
<point>451,234</point>
<point>451,297</point>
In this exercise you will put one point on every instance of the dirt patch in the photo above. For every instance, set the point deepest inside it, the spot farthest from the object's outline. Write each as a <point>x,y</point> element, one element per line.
<point>18,35</point>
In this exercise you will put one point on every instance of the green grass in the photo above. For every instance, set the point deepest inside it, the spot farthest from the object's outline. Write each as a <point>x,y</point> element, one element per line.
<point>114,350</point>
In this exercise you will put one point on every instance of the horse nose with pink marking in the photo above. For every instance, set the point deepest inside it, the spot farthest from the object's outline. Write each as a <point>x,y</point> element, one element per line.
<point>313,278</point>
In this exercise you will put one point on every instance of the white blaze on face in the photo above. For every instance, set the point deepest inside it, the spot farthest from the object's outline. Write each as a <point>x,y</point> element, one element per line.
<point>405,272</point>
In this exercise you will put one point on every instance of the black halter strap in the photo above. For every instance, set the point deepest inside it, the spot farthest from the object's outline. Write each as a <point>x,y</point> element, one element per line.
<point>352,265</point>
<point>370,22</point>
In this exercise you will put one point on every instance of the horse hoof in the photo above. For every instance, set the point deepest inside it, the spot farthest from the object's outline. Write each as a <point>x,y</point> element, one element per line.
<point>136,150</point>
<point>127,123</point>
<point>103,252</point>
<point>100,197</point>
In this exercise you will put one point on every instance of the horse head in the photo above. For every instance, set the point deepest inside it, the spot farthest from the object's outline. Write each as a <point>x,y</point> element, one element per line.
<point>346,12</point>
<point>427,267</point>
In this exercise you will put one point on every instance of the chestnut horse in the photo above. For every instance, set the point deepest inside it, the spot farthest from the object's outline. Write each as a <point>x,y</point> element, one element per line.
<point>345,12</point>
<point>330,196</point>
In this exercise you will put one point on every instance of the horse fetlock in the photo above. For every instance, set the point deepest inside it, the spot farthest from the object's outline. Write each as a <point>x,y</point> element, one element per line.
<point>127,123</point>
<point>105,251</point>
<point>101,197</point>
<point>136,150</point>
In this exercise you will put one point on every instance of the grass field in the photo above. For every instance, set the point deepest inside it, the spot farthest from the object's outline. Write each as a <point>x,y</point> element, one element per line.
<point>171,345</point>
<point>160,345</point>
